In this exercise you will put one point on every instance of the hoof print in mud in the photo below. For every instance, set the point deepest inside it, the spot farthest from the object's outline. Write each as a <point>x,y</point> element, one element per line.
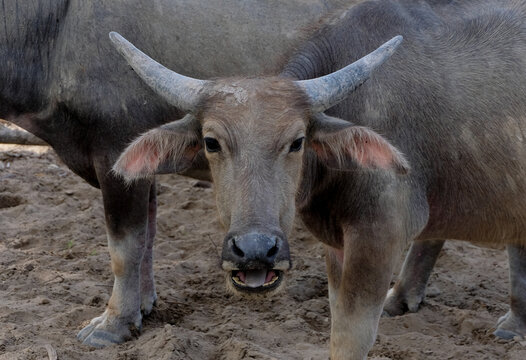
<point>8,201</point>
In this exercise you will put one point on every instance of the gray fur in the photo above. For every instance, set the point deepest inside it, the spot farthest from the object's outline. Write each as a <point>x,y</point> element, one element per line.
<point>452,100</point>
<point>75,92</point>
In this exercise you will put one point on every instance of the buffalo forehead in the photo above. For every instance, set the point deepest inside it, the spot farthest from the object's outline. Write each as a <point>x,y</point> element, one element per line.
<point>267,108</point>
<point>255,99</point>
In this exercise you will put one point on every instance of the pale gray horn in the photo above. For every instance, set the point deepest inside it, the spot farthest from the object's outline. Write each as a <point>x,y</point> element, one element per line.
<point>179,90</point>
<point>326,91</point>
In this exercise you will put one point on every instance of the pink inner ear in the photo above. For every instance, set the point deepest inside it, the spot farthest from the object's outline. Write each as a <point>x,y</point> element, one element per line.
<point>144,156</point>
<point>372,153</point>
<point>142,159</point>
<point>191,152</point>
<point>361,144</point>
<point>319,149</point>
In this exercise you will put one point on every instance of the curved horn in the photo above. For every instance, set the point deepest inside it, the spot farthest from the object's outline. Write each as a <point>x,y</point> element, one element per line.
<point>181,91</point>
<point>326,91</point>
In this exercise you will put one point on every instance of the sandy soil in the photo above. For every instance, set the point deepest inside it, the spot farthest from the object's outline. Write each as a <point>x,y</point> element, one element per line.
<point>55,276</point>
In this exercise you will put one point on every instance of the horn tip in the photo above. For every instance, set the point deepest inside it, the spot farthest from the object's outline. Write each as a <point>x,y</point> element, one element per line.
<point>397,40</point>
<point>115,37</point>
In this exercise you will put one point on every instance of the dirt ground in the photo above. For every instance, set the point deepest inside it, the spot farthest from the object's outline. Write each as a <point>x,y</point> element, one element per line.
<point>55,276</point>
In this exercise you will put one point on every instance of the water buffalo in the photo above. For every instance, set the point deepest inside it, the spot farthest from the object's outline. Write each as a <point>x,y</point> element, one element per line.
<point>61,80</point>
<point>430,147</point>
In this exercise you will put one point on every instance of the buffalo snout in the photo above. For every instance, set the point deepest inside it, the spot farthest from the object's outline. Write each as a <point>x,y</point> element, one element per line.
<point>256,261</point>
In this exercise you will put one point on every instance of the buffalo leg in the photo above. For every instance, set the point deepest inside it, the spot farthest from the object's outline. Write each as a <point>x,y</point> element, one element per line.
<point>514,322</point>
<point>148,294</point>
<point>126,211</point>
<point>359,277</point>
<point>409,289</point>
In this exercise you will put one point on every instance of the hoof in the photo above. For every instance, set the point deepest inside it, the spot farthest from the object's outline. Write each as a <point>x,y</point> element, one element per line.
<point>148,302</point>
<point>100,338</point>
<point>509,326</point>
<point>398,303</point>
<point>106,330</point>
<point>505,334</point>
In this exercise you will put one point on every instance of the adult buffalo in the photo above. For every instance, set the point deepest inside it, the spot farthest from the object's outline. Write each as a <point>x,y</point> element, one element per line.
<point>61,80</point>
<point>446,158</point>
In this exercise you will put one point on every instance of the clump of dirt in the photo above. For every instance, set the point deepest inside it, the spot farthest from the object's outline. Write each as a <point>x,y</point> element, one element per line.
<point>55,276</point>
<point>7,201</point>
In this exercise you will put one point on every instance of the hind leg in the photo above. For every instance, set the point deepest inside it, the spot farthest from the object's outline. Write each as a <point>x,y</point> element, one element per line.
<point>514,322</point>
<point>409,290</point>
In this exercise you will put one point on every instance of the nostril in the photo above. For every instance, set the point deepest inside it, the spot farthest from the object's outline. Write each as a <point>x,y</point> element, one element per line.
<point>236,249</point>
<point>273,251</point>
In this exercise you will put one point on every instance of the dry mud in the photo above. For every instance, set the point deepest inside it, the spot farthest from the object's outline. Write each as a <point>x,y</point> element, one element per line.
<point>55,276</point>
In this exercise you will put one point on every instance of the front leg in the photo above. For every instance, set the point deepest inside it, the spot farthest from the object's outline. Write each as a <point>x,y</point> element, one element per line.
<point>359,277</point>
<point>514,322</point>
<point>148,293</point>
<point>126,209</point>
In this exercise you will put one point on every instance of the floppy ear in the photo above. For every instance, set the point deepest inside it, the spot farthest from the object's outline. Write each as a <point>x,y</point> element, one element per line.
<point>340,144</point>
<point>169,148</point>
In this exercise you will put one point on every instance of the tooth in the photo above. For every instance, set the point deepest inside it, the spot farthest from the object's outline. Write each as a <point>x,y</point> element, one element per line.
<point>271,281</point>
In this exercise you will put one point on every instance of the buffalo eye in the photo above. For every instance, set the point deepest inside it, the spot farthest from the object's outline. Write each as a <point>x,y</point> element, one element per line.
<point>296,145</point>
<point>212,145</point>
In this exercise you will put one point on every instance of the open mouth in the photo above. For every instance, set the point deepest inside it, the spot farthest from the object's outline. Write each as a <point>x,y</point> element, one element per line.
<point>257,280</point>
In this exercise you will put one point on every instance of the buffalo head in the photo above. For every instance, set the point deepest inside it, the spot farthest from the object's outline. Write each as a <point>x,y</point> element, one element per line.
<point>255,134</point>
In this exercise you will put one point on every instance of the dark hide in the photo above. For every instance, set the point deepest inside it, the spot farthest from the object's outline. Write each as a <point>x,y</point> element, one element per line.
<point>452,99</point>
<point>431,147</point>
<point>61,79</point>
